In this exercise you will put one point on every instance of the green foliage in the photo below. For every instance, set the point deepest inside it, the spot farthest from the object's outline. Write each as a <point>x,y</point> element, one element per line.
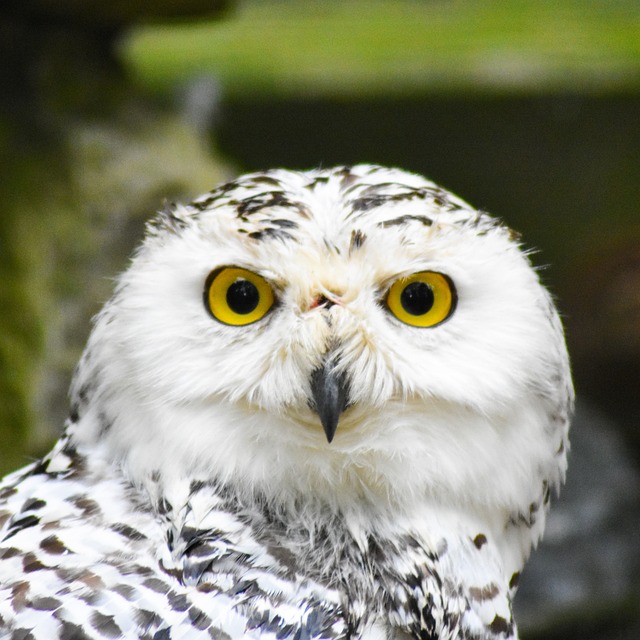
<point>400,47</point>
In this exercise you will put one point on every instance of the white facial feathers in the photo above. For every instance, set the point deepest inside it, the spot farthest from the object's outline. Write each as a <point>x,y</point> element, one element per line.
<point>480,400</point>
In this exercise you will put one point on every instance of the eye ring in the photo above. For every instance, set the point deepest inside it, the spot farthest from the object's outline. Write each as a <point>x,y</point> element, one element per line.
<point>237,296</point>
<point>424,299</point>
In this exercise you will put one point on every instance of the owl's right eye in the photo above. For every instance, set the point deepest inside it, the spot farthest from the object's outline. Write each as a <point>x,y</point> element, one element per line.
<point>236,296</point>
<point>424,299</point>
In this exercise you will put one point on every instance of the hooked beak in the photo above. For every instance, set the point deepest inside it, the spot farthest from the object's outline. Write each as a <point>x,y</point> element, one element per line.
<point>330,396</point>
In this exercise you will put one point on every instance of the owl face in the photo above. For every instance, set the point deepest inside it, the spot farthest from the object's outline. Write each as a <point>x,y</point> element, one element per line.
<point>359,331</point>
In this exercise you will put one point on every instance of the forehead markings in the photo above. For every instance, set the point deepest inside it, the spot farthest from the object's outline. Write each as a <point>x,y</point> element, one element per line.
<point>402,220</point>
<point>375,196</point>
<point>277,232</point>
<point>268,194</point>
<point>263,202</point>
<point>266,204</point>
<point>267,200</point>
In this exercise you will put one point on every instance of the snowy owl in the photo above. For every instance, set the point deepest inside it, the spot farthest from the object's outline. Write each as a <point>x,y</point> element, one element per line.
<point>319,405</point>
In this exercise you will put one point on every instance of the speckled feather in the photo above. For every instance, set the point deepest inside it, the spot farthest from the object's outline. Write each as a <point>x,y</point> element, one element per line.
<point>194,493</point>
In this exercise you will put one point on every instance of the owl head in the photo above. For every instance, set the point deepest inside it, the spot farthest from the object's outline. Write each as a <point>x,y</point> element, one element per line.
<point>355,334</point>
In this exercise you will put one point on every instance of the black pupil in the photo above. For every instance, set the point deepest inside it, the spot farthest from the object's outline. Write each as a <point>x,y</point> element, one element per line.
<point>417,298</point>
<point>242,297</point>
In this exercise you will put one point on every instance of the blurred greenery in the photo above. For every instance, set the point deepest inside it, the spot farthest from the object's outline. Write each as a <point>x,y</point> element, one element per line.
<point>401,47</point>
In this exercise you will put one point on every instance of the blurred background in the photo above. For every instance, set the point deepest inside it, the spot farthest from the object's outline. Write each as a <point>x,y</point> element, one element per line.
<point>529,109</point>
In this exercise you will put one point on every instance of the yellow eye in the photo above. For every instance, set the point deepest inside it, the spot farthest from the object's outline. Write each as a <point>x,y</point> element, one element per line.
<point>236,296</point>
<point>423,299</point>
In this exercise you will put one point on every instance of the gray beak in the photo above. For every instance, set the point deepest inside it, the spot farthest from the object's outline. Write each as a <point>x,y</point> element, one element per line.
<point>330,396</point>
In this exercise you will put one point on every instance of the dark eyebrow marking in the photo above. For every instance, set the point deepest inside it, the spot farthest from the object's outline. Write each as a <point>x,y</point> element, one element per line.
<point>427,222</point>
<point>275,228</point>
<point>357,240</point>
<point>266,200</point>
<point>364,203</point>
<point>284,223</point>
<point>271,232</point>
<point>266,179</point>
<point>374,189</point>
<point>260,201</point>
<point>370,197</point>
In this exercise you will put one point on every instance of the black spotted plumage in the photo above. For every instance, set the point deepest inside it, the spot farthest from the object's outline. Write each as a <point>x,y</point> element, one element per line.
<point>150,572</point>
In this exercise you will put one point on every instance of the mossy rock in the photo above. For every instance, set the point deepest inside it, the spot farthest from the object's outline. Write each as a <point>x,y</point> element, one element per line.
<point>86,159</point>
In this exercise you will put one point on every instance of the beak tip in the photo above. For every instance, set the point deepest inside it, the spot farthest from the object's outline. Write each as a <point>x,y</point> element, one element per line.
<point>329,391</point>
<point>330,430</point>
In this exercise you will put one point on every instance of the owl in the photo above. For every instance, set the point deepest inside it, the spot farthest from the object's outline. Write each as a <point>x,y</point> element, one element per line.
<point>320,405</point>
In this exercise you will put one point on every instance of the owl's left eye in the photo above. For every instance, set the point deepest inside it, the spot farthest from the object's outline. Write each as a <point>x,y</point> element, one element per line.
<point>423,299</point>
<point>236,296</point>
